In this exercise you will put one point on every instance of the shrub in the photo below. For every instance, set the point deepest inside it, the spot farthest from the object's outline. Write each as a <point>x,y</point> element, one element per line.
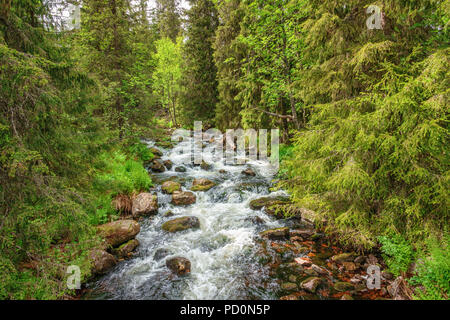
<point>397,253</point>
<point>433,273</point>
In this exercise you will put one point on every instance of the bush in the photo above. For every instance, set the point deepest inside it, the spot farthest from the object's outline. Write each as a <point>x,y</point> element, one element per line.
<point>116,175</point>
<point>397,253</point>
<point>433,273</point>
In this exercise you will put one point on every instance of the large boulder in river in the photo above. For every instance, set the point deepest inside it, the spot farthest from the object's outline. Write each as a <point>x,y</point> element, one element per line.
<point>170,187</point>
<point>119,232</point>
<point>181,224</point>
<point>202,185</point>
<point>179,265</point>
<point>183,198</point>
<point>180,169</point>
<point>101,261</point>
<point>276,234</point>
<point>157,166</point>
<point>145,204</point>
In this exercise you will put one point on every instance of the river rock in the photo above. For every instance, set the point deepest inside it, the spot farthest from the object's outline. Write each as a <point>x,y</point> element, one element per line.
<point>289,286</point>
<point>343,286</point>
<point>168,164</point>
<point>304,262</point>
<point>180,169</point>
<point>145,204</point>
<point>101,261</point>
<point>346,297</point>
<point>119,232</point>
<point>349,266</point>
<point>255,220</point>
<point>305,234</point>
<point>181,224</point>
<point>205,166</point>
<point>157,166</point>
<point>311,284</point>
<point>319,270</point>
<point>249,172</point>
<point>169,187</point>
<point>339,258</point>
<point>276,234</point>
<point>126,249</point>
<point>202,185</point>
<point>183,198</point>
<point>161,253</point>
<point>165,144</point>
<point>260,203</point>
<point>156,152</point>
<point>179,265</point>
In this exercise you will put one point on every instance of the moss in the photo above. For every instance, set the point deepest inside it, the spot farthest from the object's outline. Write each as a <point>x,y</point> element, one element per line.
<point>170,187</point>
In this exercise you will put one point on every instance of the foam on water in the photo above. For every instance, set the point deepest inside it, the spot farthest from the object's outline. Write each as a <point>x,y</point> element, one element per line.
<point>223,252</point>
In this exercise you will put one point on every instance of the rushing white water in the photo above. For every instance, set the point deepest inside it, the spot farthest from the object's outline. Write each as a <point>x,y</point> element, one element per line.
<point>223,252</point>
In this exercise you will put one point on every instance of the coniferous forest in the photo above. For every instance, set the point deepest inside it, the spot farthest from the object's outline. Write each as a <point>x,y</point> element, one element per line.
<point>91,91</point>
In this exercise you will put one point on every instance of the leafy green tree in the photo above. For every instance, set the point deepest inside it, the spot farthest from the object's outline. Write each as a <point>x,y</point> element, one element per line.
<point>199,95</point>
<point>168,74</point>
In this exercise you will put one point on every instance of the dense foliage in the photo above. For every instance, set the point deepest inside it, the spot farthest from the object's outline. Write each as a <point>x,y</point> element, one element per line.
<point>363,114</point>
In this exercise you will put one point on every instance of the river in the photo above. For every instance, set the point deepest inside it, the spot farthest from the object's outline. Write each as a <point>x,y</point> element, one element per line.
<point>224,254</point>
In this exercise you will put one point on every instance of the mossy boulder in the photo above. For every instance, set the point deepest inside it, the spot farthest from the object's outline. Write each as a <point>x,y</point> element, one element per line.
<point>101,261</point>
<point>181,224</point>
<point>180,169</point>
<point>169,187</point>
<point>126,249</point>
<point>276,234</point>
<point>145,204</point>
<point>156,152</point>
<point>165,144</point>
<point>260,203</point>
<point>343,257</point>
<point>183,198</point>
<point>202,185</point>
<point>119,232</point>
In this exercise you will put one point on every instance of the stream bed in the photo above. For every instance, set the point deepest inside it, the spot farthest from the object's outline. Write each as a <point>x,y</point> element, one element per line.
<point>225,258</point>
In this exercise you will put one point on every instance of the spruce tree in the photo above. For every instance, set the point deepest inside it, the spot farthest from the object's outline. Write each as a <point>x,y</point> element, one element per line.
<point>374,158</point>
<point>199,83</point>
<point>228,55</point>
<point>168,18</point>
<point>106,35</point>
